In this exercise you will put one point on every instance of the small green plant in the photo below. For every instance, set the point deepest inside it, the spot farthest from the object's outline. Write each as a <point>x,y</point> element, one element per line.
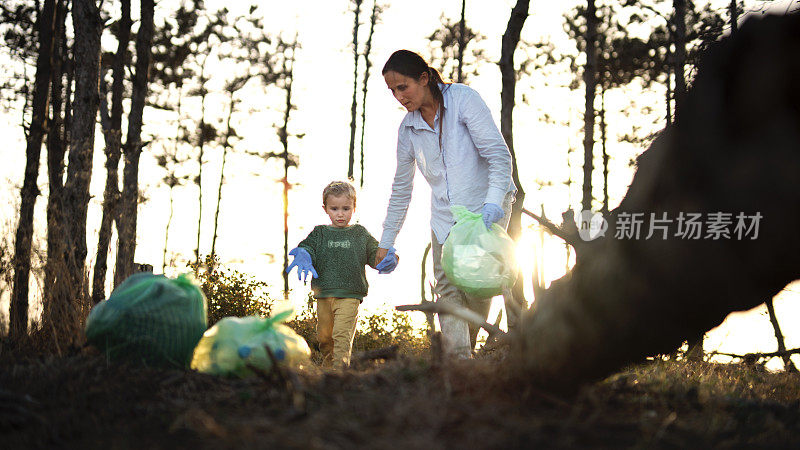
<point>389,328</point>
<point>229,292</point>
<point>373,331</point>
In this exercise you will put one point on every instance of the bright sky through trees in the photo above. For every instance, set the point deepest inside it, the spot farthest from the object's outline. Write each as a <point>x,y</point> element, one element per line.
<point>251,224</point>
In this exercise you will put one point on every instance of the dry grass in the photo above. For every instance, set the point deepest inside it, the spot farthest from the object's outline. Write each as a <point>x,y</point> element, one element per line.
<point>80,400</point>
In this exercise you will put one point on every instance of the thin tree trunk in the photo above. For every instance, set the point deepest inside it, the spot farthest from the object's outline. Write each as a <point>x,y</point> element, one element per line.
<point>113,140</point>
<point>669,87</point>
<point>56,283</point>
<point>201,145</point>
<point>225,147</point>
<point>368,64</point>
<point>353,107</point>
<point>172,180</point>
<point>18,325</point>
<point>166,232</point>
<point>509,44</point>
<point>133,148</point>
<point>590,80</point>
<point>462,42</point>
<point>605,151</point>
<point>734,17</point>
<point>680,53</point>
<point>787,359</point>
<point>288,69</point>
<point>88,27</point>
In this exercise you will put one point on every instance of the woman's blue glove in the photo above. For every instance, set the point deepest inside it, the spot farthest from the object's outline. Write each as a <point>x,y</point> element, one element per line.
<point>388,263</point>
<point>302,259</point>
<point>491,213</point>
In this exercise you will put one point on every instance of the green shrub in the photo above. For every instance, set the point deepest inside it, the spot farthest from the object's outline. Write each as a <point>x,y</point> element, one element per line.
<point>373,331</point>
<point>389,328</point>
<point>229,292</point>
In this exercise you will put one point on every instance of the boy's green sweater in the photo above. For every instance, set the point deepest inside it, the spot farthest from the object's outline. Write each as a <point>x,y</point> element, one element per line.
<point>339,256</point>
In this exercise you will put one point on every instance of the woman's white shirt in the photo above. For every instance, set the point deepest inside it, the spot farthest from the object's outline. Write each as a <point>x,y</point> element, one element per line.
<point>472,167</point>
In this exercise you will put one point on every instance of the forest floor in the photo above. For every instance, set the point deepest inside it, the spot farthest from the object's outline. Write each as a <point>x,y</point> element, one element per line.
<point>80,400</point>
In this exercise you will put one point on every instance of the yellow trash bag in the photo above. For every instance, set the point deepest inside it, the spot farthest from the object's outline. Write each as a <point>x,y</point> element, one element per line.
<point>234,343</point>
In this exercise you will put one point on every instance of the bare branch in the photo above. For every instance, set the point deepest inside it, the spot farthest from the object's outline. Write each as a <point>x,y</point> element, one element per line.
<point>461,313</point>
<point>554,229</point>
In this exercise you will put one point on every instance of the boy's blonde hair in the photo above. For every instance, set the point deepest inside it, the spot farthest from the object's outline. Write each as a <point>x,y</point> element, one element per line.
<point>338,188</point>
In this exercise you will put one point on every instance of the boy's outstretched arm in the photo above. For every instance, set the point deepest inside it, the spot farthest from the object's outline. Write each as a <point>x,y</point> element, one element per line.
<point>302,259</point>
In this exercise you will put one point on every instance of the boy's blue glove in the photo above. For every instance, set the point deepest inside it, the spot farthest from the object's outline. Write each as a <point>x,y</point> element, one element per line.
<point>302,259</point>
<point>388,263</point>
<point>491,213</point>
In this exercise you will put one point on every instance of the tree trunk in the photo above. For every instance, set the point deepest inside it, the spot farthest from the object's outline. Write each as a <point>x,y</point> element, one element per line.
<point>288,71</point>
<point>126,226</point>
<point>46,21</point>
<point>590,80</point>
<point>113,140</point>
<point>56,284</point>
<point>166,231</point>
<point>669,88</point>
<point>605,151</point>
<point>353,107</point>
<point>680,53</point>
<point>462,25</point>
<point>173,181</point>
<point>507,99</point>
<point>630,298</point>
<point>86,55</point>
<point>734,13</point>
<point>225,146</point>
<point>787,359</point>
<point>373,18</point>
<point>201,147</point>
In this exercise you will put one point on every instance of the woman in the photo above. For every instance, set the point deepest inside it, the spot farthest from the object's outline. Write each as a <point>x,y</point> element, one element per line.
<point>450,134</point>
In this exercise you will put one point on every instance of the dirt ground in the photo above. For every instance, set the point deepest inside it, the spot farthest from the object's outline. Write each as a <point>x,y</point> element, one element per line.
<point>80,400</point>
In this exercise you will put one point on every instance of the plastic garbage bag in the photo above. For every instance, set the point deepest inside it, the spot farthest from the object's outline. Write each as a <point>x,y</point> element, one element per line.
<point>150,318</point>
<point>233,343</point>
<point>480,262</point>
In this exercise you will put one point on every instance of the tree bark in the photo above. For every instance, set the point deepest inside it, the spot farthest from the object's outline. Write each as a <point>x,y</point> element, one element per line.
<point>462,25</point>
<point>509,44</point>
<point>605,151</point>
<point>373,18</point>
<point>680,53</point>
<point>133,148</point>
<point>46,21</point>
<point>630,298</point>
<point>288,71</point>
<point>354,105</point>
<point>113,140</point>
<point>86,55</point>
<point>56,279</point>
<point>590,80</point>
<point>225,146</point>
<point>734,13</point>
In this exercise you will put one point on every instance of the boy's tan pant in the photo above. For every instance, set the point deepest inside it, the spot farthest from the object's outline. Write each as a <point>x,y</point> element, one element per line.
<point>336,326</point>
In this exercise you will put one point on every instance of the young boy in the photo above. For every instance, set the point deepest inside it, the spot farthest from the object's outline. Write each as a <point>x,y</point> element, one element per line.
<point>335,256</point>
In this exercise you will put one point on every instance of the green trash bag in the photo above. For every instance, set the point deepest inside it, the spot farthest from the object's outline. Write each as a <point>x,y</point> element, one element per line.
<point>478,261</point>
<point>151,319</point>
<point>233,343</point>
